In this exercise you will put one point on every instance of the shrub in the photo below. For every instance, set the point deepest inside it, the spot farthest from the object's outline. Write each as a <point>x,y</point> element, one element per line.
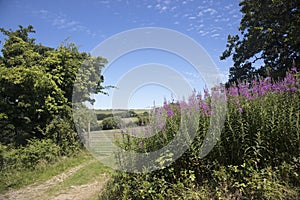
<point>101,116</point>
<point>36,153</point>
<point>111,123</point>
<point>62,133</point>
<point>143,120</point>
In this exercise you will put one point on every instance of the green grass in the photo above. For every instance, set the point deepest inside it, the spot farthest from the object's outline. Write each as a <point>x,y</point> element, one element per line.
<point>15,179</point>
<point>109,111</point>
<point>88,174</point>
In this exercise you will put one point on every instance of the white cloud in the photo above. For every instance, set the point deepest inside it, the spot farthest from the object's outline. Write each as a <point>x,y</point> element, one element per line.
<point>60,21</point>
<point>193,75</point>
<point>167,1</point>
<point>215,35</point>
<point>228,7</point>
<point>211,11</point>
<point>225,19</point>
<point>43,12</point>
<point>161,8</point>
<point>173,8</point>
<point>104,2</point>
<point>186,15</point>
<point>199,17</point>
<point>233,11</point>
<point>203,33</point>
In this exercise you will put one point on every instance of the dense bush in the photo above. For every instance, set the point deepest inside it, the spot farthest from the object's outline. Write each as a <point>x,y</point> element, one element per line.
<point>101,116</point>
<point>111,123</point>
<point>143,120</point>
<point>62,133</point>
<point>119,113</point>
<point>34,154</point>
<point>257,156</point>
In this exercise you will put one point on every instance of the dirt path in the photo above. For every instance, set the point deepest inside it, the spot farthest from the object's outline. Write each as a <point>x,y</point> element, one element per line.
<point>82,192</point>
<point>39,191</point>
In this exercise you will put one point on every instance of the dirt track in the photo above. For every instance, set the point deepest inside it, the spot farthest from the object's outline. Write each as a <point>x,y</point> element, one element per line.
<point>41,191</point>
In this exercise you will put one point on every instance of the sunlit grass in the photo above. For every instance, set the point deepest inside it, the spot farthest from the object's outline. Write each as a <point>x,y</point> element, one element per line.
<point>15,178</point>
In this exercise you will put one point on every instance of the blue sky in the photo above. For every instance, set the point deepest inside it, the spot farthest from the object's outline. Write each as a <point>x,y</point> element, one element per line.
<point>90,22</point>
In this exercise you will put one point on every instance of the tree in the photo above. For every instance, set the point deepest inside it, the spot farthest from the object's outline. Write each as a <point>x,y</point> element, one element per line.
<point>111,123</point>
<point>36,84</point>
<point>29,100</point>
<point>269,40</point>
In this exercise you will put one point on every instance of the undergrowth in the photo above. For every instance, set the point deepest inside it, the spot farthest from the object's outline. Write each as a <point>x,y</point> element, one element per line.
<point>17,177</point>
<point>256,157</point>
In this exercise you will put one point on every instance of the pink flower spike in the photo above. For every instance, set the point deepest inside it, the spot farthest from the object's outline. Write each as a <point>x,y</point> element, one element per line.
<point>170,113</point>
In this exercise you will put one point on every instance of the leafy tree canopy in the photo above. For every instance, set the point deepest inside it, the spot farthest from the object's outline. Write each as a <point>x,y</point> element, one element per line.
<point>269,40</point>
<point>36,85</point>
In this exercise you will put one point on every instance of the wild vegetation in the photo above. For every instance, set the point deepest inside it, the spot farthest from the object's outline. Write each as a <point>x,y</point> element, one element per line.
<point>116,119</point>
<point>257,156</point>
<point>36,85</point>
<point>258,153</point>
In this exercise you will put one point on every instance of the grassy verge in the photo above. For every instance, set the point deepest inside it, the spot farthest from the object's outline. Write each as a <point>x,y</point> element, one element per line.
<point>15,179</point>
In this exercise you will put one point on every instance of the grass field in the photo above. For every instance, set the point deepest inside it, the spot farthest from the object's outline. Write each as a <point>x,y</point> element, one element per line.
<point>109,111</point>
<point>102,143</point>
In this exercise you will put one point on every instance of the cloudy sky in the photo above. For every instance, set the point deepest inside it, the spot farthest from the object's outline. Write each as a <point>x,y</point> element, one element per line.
<point>91,22</point>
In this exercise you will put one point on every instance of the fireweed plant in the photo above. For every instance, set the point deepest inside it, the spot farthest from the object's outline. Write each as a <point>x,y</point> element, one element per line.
<point>256,157</point>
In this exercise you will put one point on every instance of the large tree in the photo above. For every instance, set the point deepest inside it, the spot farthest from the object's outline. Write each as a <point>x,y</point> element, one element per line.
<point>36,85</point>
<point>269,40</point>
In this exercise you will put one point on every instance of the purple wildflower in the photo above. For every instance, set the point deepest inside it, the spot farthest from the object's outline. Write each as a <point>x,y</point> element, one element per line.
<point>199,96</point>
<point>161,126</point>
<point>294,70</point>
<point>233,91</point>
<point>141,144</point>
<point>240,110</point>
<point>170,112</point>
<point>205,109</point>
<point>206,93</point>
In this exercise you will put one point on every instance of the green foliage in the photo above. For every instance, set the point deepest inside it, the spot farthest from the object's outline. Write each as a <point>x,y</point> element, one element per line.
<point>132,113</point>
<point>29,98</point>
<point>143,120</point>
<point>101,116</point>
<point>15,178</point>
<point>34,154</point>
<point>36,87</point>
<point>269,33</point>
<point>62,133</point>
<point>111,123</point>
<point>257,156</point>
